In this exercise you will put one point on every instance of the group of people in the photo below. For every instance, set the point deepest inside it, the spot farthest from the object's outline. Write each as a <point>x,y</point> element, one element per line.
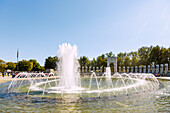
<point>8,74</point>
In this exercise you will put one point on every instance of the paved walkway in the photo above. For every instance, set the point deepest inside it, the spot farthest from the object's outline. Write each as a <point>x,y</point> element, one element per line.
<point>5,79</point>
<point>163,78</point>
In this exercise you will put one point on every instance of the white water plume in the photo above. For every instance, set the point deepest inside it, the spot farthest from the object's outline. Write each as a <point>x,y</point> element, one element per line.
<point>68,66</point>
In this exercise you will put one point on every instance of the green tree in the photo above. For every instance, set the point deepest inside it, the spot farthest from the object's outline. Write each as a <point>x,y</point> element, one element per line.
<point>51,62</point>
<point>155,55</point>
<point>11,65</point>
<point>2,65</point>
<point>36,65</point>
<point>127,61</point>
<point>104,57</point>
<point>84,61</point>
<point>42,69</point>
<point>16,64</point>
<point>164,55</point>
<point>93,63</point>
<point>119,61</point>
<point>2,62</point>
<point>144,53</point>
<point>110,54</point>
<point>134,61</point>
<point>101,61</point>
<point>25,65</point>
<point>122,55</point>
<point>131,54</point>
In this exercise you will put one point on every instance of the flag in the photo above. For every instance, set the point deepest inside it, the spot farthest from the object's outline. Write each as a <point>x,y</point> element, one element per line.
<point>17,53</point>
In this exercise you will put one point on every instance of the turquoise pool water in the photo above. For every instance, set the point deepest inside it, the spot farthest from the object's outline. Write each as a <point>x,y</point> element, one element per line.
<point>155,101</point>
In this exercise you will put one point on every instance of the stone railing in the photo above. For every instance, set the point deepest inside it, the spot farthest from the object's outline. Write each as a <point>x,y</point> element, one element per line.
<point>156,69</point>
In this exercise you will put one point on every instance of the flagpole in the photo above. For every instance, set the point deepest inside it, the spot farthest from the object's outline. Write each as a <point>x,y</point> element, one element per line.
<point>17,57</point>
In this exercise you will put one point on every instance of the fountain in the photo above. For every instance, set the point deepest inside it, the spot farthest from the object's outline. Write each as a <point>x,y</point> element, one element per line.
<point>68,81</point>
<point>108,72</point>
<point>68,70</point>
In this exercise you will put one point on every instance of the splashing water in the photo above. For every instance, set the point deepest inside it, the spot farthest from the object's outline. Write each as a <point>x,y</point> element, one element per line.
<point>69,80</point>
<point>68,67</point>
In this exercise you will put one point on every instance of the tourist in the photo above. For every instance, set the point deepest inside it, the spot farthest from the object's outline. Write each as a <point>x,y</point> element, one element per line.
<point>4,74</point>
<point>8,73</point>
<point>13,75</point>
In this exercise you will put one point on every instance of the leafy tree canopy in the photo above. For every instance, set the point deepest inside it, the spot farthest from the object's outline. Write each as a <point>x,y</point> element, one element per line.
<point>11,65</point>
<point>36,65</point>
<point>25,65</point>
<point>51,62</point>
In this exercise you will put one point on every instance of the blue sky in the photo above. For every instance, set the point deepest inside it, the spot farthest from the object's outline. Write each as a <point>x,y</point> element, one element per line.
<point>38,27</point>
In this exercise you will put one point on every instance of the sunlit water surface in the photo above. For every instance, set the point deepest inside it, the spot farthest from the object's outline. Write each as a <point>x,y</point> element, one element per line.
<point>155,101</point>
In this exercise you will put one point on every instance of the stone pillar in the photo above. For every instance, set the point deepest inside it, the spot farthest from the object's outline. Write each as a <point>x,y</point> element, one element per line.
<point>128,69</point>
<point>90,69</point>
<point>131,69</point>
<point>153,68</point>
<point>149,70</point>
<point>97,69</point>
<point>82,70</point>
<point>101,69</point>
<point>119,69</point>
<point>144,69</point>
<point>86,69</point>
<point>104,69</point>
<point>93,69</point>
<point>115,64</point>
<point>166,68</point>
<point>140,69</point>
<point>157,68</point>
<point>161,69</point>
<point>136,69</point>
<point>124,69</point>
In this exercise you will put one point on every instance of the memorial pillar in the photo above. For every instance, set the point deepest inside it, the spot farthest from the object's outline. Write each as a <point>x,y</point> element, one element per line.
<point>90,69</point>
<point>136,69</point>
<point>157,68</point>
<point>149,68</point>
<point>93,69</point>
<point>144,69</point>
<point>166,68</point>
<point>82,70</point>
<point>128,69</point>
<point>97,69</point>
<point>124,69</point>
<point>161,69</point>
<point>131,69</point>
<point>101,69</point>
<point>119,69</point>
<point>153,68</point>
<point>140,69</point>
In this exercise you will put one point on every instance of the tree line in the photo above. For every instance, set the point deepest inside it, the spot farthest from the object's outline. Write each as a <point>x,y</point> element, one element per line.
<point>143,56</point>
<point>24,65</point>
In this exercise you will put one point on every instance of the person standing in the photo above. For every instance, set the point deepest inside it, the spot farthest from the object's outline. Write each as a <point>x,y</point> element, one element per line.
<point>13,74</point>
<point>3,74</point>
